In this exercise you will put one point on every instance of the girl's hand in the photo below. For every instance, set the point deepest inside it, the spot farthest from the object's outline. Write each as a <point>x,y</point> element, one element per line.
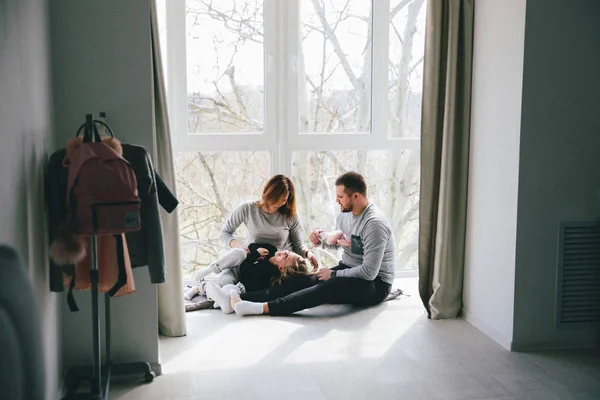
<point>312,259</point>
<point>262,252</point>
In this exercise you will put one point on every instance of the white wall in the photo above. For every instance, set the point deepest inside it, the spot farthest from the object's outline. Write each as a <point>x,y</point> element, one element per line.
<point>25,129</point>
<point>102,62</point>
<point>488,296</point>
<point>559,170</point>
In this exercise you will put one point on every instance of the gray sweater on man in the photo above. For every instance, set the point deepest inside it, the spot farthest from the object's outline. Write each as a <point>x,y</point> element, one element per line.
<point>373,250</point>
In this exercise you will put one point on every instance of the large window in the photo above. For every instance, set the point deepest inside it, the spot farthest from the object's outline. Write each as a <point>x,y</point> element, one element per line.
<point>307,88</point>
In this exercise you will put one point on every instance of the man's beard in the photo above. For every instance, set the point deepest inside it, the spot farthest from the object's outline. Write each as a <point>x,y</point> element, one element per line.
<point>348,208</point>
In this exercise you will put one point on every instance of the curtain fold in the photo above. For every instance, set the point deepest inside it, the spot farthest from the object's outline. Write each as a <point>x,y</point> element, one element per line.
<point>171,311</point>
<point>445,126</point>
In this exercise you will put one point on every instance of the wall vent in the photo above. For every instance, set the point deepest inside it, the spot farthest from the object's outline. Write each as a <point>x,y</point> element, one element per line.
<point>578,277</point>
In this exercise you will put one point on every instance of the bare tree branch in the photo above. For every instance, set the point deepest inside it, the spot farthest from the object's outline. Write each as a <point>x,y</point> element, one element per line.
<point>336,45</point>
<point>190,187</point>
<point>338,163</point>
<point>230,72</point>
<point>226,110</point>
<point>398,35</point>
<point>398,8</point>
<point>320,88</point>
<point>415,65</point>
<point>234,21</point>
<point>213,181</point>
<point>409,249</point>
<point>404,64</point>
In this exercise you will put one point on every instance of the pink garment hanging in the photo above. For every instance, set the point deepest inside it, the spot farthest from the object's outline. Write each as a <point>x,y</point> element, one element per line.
<point>108,267</point>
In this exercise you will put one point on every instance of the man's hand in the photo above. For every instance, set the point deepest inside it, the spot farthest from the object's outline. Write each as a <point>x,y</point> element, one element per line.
<point>312,259</point>
<point>324,274</point>
<point>315,237</point>
<point>344,242</point>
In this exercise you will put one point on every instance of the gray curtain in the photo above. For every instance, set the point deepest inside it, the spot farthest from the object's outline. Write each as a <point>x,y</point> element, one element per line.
<point>445,128</point>
<point>171,312</point>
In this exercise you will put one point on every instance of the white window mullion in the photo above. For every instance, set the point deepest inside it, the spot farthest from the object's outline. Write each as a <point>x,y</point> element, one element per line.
<point>290,40</point>
<point>350,142</point>
<point>237,153</point>
<point>177,72</point>
<point>224,142</point>
<point>379,95</point>
<point>272,70</point>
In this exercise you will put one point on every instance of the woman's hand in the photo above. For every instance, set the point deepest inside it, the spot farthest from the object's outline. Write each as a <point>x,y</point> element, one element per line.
<point>312,259</point>
<point>235,244</point>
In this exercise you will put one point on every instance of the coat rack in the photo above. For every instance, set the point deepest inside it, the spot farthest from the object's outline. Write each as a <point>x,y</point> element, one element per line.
<point>97,371</point>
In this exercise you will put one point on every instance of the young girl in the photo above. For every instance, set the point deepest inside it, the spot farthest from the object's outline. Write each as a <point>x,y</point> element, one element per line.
<point>231,262</point>
<point>258,275</point>
<point>262,267</point>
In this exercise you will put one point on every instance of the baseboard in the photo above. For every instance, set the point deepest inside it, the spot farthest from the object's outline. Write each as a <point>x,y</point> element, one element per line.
<point>545,346</point>
<point>492,333</point>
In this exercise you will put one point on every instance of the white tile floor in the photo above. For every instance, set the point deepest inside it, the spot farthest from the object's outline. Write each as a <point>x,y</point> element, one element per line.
<point>388,352</point>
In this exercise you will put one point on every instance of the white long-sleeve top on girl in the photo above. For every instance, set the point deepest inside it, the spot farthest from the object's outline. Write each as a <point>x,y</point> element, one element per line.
<point>275,229</point>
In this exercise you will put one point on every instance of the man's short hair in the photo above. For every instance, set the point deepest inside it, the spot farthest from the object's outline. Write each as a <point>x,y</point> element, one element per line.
<point>353,182</point>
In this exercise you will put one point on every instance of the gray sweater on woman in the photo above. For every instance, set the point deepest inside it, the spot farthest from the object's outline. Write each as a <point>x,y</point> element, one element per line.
<point>274,229</point>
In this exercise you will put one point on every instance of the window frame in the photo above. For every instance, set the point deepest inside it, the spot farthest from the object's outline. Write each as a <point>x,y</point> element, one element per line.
<point>282,137</point>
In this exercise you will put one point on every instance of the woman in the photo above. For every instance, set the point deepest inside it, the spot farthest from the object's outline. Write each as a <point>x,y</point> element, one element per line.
<point>261,273</point>
<point>272,220</point>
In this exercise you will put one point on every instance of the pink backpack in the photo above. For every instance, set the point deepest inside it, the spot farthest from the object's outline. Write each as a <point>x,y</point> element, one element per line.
<point>102,199</point>
<point>102,196</point>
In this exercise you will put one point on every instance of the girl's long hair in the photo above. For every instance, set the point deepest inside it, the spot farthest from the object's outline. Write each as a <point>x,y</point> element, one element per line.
<point>275,190</point>
<point>300,268</point>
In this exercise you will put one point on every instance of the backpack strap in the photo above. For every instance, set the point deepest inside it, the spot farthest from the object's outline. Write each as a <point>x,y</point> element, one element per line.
<point>70,298</point>
<point>122,279</point>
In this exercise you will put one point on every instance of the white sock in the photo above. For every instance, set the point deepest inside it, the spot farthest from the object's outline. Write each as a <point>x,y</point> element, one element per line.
<point>235,297</point>
<point>191,293</point>
<point>220,296</point>
<point>231,287</point>
<point>244,307</point>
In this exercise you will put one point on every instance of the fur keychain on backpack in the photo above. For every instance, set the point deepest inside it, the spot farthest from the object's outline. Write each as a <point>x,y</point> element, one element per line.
<point>68,248</point>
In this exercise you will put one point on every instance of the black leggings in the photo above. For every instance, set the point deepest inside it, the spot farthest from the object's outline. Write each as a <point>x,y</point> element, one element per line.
<point>299,293</point>
<point>288,286</point>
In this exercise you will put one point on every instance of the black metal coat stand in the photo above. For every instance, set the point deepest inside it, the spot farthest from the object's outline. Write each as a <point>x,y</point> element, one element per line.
<point>97,371</point>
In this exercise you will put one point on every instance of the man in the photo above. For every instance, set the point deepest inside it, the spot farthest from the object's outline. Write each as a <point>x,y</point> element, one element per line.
<point>365,274</point>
